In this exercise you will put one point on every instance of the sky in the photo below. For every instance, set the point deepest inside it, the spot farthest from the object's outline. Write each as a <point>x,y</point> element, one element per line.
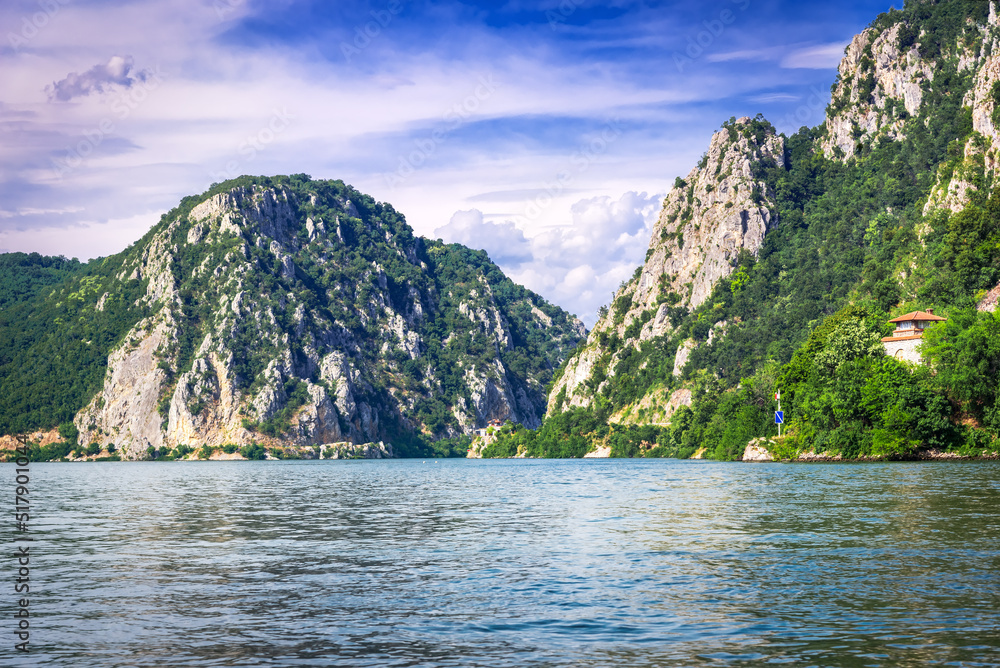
<point>547,133</point>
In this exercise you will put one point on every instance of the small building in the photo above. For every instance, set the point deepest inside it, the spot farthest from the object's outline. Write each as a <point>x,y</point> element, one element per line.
<point>482,431</point>
<point>909,331</point>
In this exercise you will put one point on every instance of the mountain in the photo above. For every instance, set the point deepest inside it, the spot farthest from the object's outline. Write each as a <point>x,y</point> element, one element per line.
<point>777,261</point>
<point>719,213</point>
<point>279,311</point>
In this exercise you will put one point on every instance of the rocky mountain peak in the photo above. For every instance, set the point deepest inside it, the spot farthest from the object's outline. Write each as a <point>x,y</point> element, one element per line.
<point>303,312</point>
<point>719,211</point>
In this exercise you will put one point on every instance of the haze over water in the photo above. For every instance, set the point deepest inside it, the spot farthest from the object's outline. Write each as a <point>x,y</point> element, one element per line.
<point>513,563</point>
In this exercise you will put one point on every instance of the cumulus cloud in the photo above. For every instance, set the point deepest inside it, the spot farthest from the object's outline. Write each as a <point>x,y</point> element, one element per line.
<point>819,57</point>
<point>579,265</point>
<point>505,244</point>
<point>119,71</point>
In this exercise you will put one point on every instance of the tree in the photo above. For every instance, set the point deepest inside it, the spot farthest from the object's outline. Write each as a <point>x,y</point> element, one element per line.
<point>965,353</point>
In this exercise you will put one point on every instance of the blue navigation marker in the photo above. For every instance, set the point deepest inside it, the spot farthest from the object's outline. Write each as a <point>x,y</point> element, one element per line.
<point>779,417</point>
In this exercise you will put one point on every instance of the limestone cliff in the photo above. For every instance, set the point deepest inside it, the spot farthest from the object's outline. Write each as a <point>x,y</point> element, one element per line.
<point>305,313</point>
<point>879,84</point>
<point>719,211</point>
<point>902,67</point>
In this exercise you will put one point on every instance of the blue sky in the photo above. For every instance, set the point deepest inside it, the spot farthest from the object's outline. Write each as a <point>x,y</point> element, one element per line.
<point>546,132</point>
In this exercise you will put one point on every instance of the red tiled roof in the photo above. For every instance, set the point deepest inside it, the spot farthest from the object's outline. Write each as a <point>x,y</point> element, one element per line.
<point>918,315</point>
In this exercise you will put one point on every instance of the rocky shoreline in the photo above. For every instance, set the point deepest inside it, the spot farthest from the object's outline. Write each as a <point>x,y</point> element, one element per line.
<point>338,450</point>
<point>757,451</point>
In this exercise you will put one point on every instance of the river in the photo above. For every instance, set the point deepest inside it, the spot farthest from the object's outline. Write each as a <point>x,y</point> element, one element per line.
<point>509,563</point>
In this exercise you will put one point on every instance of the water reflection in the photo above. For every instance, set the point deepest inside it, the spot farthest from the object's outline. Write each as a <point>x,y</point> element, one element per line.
<point>515,563</point>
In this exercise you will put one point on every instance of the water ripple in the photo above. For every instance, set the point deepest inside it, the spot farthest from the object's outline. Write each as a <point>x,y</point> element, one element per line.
<point>513,563</point>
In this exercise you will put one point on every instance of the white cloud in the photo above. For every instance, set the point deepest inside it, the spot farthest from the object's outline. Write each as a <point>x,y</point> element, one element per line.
<point>119,71</point>
<point>505,244</point>
<point>577,265</point>
<point>819,57</point>
<point>747,55</point>
<point>39,212</point>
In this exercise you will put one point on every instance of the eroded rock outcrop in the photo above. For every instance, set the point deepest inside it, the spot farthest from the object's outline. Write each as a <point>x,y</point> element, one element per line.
<point>756,451</point>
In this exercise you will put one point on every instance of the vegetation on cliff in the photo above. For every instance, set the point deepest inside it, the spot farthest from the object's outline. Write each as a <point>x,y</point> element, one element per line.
<point>855,244</point>
<point>274,310</point>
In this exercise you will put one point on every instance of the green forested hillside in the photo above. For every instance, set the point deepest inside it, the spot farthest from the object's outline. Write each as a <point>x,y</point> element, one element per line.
<point>853,248</point>
<point>22,275</point>
<point>54,342</point>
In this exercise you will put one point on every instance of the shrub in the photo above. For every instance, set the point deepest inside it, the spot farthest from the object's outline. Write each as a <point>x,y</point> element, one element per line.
<point>253,451</point>
<point>69,432</point>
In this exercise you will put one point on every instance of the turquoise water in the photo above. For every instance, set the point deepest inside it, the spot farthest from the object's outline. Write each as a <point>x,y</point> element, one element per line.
<point>510,563</point>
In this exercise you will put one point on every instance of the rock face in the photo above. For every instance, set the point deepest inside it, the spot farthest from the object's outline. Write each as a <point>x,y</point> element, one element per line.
<point>601,452</point>
<point>980,156</point>
<point>10,442</point>
<point>305,313</point>
<point>722,209</point>
<point>348,450</point>
<point>878,85</point>
<point>990,300</point>
<point>656,407</point>
<point>756,451</point>
<point>883,80</point>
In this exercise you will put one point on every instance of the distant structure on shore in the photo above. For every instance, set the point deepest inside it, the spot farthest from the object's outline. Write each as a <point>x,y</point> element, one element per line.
<point>909,331</point>
<point>482,432</point>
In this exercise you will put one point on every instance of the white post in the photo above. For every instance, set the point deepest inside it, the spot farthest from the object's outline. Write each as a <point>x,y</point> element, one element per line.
<point>779,410</point>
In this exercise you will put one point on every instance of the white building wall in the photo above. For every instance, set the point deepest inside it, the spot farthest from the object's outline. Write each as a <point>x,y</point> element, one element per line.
<point>904,350</point>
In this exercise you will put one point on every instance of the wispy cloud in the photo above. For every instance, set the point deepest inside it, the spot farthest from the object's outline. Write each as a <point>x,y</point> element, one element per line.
<point>747,55</point>
<point>39,212</point>
<point>824,56</point>
<point>771,98</point>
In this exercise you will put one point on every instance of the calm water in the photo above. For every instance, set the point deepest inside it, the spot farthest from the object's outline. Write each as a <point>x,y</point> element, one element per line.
<point>510,563</point>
